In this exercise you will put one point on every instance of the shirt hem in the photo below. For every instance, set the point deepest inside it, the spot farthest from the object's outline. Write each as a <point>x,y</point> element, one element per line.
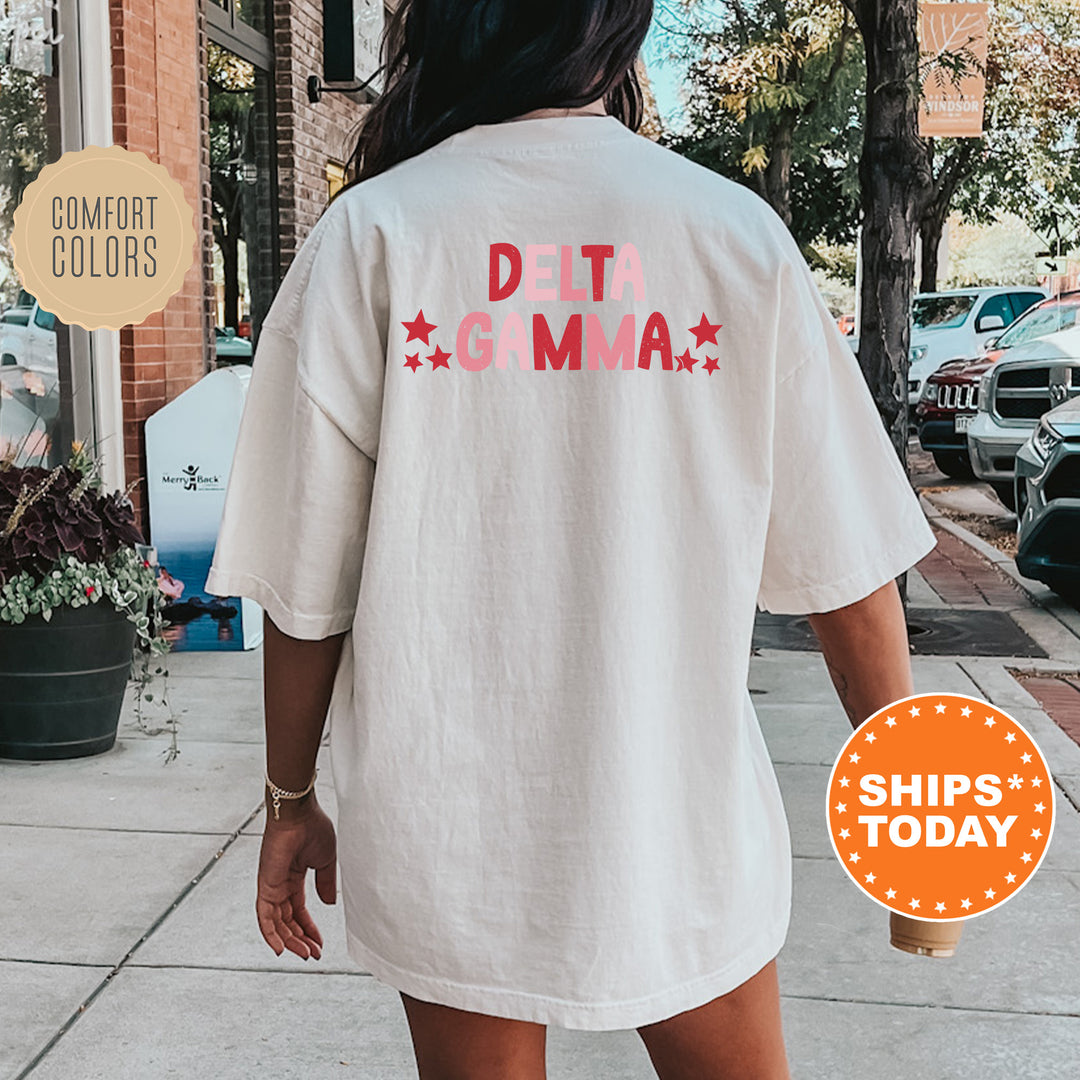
<point>561,1012</point>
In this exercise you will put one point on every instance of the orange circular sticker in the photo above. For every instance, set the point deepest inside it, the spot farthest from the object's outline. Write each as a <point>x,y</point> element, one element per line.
<point>103,237</point>
<point>940,806</point>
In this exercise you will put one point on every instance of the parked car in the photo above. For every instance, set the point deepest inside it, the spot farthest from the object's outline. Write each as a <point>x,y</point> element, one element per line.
<point>956,325</point>
<point>1048,501</point>
<point>230,347</point>
<point>28,338</point>
<point>1013,395</point>
<point>949,399</point>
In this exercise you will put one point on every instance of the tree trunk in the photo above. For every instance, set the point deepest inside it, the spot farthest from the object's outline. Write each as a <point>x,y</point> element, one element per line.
<point>776,180</point>
<point>931,228</point>
<point>892,173</point>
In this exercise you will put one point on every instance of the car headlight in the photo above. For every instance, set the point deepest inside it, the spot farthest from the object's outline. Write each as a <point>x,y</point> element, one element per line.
<point>930,391</point>
<point>984,391</point>
<point>1045,438</point>
<point>916,353</point>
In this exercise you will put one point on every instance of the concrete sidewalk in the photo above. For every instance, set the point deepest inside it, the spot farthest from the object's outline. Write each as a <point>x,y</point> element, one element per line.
<point>129,948</point>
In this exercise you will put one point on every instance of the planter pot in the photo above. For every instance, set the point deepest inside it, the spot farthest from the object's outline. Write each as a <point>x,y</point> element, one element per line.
<point>62,682</point>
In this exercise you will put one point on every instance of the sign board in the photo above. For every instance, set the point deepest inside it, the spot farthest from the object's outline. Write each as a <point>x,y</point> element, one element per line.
<point>190,443</point>
<point>1051,266</point>
<point>952,38</point>
<point>352,33</point>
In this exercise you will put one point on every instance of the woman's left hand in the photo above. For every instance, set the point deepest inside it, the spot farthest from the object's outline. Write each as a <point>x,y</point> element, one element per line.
<point>290,846</point>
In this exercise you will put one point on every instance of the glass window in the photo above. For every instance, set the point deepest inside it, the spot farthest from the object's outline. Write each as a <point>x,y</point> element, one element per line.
<point>996,305</point>
<point>36,386</point>
<point>942,312</point>
<point>241,187</point>
<point>1021,301</point>
<point>1046,318</point>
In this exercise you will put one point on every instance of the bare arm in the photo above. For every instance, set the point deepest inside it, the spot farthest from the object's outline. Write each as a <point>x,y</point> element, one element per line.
<point>298,677</point>
<point>866,651</point>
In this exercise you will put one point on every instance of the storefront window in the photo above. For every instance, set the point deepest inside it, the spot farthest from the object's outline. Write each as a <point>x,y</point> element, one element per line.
<point>36,422</point>
<point>241,170</point>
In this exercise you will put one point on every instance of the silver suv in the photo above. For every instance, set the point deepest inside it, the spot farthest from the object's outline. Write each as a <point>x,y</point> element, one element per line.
<point>1013,395</point>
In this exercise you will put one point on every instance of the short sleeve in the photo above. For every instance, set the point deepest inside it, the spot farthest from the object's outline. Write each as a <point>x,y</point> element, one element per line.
<point>843,519</point>
<point>294,526</point>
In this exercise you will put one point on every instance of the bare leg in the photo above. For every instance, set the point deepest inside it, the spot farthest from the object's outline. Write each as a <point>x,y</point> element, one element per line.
<point>453,1044</point>
<point>734,1037</point>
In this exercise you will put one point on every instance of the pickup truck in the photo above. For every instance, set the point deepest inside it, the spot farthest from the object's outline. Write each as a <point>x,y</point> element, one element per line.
<point>28,339</point>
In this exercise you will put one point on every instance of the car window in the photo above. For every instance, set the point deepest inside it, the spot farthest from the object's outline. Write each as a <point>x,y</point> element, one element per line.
<point>45,320</point>
<point>997,305</point>
<point>941,312</point>
<point>1037,322</point>
<point>1021,301</point>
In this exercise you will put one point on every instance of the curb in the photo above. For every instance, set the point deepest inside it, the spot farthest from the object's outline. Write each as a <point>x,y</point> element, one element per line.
<point>1039,595</point>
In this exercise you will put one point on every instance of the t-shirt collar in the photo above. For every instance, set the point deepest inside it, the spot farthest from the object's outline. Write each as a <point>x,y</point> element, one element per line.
<point>574,129</point>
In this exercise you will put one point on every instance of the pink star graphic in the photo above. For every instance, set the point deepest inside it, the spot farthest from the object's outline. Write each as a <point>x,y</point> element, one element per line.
<point>439,358</point>
<point>413,362</point>
<point>705,331</point>
<point>419,329</point>
<point>686,362</point>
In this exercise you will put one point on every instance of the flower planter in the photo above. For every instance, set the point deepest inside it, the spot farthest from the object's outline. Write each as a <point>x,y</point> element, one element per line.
<point>62,682</point>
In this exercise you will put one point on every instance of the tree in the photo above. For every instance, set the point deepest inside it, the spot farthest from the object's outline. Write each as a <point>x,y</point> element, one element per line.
<point>773,102</point>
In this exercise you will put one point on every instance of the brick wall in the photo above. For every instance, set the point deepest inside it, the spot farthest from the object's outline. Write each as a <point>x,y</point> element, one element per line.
<point>157,107</point>
<point>308,135</point>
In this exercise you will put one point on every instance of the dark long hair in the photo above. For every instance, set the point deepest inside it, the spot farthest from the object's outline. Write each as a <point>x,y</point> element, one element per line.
<point>450,64</point>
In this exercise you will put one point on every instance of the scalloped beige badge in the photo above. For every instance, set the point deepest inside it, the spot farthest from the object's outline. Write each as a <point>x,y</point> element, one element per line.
<point>103,237</point>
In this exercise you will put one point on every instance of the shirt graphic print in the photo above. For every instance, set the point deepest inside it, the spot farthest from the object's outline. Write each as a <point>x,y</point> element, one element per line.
<point>538,419</point>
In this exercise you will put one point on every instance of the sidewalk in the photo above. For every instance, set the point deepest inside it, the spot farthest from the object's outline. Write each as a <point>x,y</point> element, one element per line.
<point>129,948</point>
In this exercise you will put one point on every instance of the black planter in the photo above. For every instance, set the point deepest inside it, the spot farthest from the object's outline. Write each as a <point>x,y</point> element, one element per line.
<point>62,682</point>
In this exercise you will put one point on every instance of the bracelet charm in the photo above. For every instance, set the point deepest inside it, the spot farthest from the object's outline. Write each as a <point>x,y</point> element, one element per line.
<point>280,793</point>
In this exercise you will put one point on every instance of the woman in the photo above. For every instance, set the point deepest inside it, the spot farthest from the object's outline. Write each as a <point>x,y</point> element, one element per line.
<point>609,412</point>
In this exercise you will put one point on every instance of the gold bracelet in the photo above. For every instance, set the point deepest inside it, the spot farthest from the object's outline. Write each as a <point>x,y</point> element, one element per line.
<point>280,793</point>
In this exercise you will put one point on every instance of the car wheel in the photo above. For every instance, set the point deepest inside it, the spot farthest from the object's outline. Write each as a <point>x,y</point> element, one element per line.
<point>1005,492</point>
<point>954,463</point>
<point>1067,588</point>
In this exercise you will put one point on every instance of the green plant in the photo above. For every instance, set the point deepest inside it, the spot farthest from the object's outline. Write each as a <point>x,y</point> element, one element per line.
<point>65,541</point>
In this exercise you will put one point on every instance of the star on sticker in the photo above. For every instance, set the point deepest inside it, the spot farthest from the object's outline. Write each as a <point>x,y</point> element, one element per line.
<point>1010,878</point>
<point>990,894</point>
<point>989,721</point>
<point>939,708</point>
<point>965,711</point>
<point>891,722</point>
<point>712,363</point>
<point>844,781</point>
<point>844,834</point>
<point>440,358</point>
<point>1036,833</point>
<point>870,879</point>
<point>1039,807</point>
<point>1026,857</point>
<point>854,856</point>
<point>1026,759</point>
<point>965,903</point>
<point>940,905</point>
<point>890,894</point>
<point>705,331</point>
<point>686,362</point>
<point>419,329</point>
<point>413,362</point>
<point>1011,737</point>
<point>914,710</point>
<point>1036,781</point>
<point>913,903</point>
<point>853,758</point>
<point>841,807</point>
<point>870,736</point>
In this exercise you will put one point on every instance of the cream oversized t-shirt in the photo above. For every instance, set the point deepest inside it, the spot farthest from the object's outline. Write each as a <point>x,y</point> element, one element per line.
<point>538,416</point>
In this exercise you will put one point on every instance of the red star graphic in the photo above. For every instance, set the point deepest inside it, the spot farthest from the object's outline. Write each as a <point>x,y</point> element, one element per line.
<point>686,362</point>
<point>712,363</point>
<point>419,328</point>
<point>439,358</point>
<point>704,331</point>
<point>413,362</point>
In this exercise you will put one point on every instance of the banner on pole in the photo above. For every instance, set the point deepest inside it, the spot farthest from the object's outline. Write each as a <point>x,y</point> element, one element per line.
<point>952,47</point>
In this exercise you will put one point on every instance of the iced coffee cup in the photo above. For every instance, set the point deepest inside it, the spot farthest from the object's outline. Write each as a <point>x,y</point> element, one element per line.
<point>924,937</point>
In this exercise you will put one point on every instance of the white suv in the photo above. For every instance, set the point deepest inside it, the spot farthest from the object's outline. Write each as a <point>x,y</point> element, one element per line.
<point>956,325</point>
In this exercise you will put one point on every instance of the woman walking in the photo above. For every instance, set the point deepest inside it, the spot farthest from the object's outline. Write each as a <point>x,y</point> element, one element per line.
<point>540,412</point>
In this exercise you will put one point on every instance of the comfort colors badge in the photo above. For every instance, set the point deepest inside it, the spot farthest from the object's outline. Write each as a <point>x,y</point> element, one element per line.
<point>103,237</point>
